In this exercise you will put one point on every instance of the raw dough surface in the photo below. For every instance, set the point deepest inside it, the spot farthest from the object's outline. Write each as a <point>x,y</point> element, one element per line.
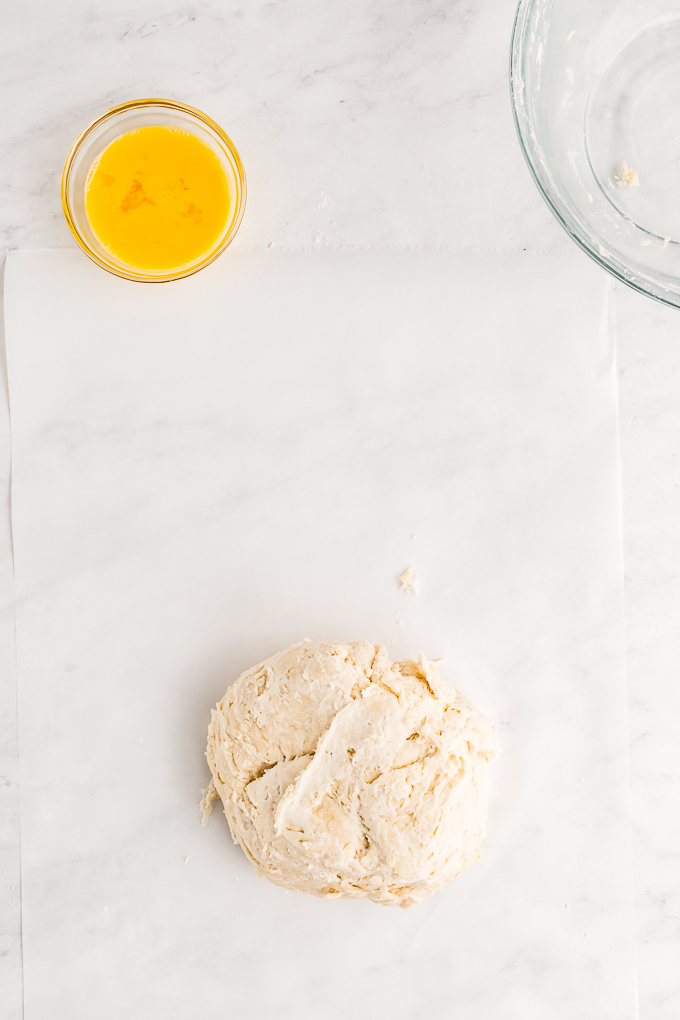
<point>408,582</point>
<point>343,774</point>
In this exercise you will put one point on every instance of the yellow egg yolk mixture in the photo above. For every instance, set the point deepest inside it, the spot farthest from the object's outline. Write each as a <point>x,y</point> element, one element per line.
<point>157,198</point>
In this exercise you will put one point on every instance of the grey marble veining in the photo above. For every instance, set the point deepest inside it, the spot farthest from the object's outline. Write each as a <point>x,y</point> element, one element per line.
<point>359,123</point>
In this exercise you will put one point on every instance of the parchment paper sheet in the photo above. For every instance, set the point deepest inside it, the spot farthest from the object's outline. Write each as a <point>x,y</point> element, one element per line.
<point>207,471</point>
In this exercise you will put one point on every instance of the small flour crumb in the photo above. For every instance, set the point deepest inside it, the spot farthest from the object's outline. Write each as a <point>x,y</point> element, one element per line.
<point>408,582</point>
<point>626,177</point>
<point>571,35</point>
<point>666,241</point>
<point>207,797</point>
<point>570,75</point>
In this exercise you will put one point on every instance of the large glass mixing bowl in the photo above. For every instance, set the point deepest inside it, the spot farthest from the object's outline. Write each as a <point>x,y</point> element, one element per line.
<point>596,97</point>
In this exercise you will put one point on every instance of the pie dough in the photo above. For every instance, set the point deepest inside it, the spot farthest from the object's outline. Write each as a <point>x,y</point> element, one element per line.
<point>343,774</point>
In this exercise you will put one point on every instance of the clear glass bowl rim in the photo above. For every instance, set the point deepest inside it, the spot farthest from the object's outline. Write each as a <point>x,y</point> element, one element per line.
<point>132,274</point>
<point>529,152</point>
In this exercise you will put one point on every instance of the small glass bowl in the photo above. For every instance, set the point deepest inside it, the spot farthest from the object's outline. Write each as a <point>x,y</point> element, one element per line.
<point>89,146</point>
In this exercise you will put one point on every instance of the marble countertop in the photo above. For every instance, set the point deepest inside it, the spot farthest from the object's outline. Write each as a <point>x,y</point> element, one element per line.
<point>360,124</point>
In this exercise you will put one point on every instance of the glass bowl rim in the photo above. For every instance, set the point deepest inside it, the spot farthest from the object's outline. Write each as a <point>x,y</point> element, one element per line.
<point>516,76</point>
<point>139,276</point>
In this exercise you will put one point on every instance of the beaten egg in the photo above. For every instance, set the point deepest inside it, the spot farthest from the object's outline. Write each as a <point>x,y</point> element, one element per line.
<point>157,198</point>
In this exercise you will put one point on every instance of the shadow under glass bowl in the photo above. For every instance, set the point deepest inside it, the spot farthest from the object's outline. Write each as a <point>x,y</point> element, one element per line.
<point>596,97</point>
<point>140,113</point>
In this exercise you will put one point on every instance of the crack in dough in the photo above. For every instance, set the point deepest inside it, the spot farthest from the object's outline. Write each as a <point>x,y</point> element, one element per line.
<point>344,774</point>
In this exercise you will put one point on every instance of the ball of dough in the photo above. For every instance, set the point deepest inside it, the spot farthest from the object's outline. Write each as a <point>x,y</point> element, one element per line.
<point>344,774</point>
